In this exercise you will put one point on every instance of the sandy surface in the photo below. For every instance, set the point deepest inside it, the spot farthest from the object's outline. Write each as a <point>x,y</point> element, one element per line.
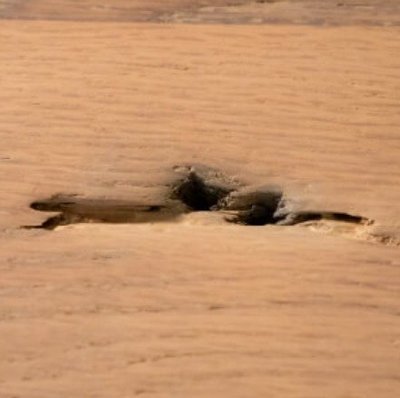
<point>197,306</point>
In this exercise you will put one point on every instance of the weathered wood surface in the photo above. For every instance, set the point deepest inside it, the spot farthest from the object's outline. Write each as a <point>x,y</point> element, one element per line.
<point>198,307</point>
<point>314,12</point>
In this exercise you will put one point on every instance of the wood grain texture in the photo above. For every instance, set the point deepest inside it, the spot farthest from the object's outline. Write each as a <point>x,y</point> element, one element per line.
<point>201,311</point>
<point>309,12</point>
<point>200,307</point>
<point>115,10</point>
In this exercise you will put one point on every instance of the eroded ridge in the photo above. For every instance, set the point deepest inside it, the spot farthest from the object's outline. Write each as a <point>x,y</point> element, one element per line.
<point>202,189</point>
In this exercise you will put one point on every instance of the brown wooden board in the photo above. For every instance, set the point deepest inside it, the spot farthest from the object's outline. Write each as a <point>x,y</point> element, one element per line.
<point>196,306</point>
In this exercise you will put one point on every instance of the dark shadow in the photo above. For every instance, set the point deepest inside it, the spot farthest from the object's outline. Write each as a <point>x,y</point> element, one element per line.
<point>197,194</point>
<point>294,218</point>
<point>193,192</point>
<point>253,208</point>
<point>74,210</point>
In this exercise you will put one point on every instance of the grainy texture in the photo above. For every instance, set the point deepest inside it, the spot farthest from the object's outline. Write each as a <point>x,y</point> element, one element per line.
<point>314,12</point>
<point>109,109</point>
<point>108,10</point>
<point>199,307</point>
<point>178,310</point>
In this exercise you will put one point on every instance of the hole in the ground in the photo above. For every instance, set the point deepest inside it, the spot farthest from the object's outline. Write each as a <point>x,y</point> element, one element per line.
<point>268,207</point>
<point>252,208</point>
<point>198,194</point>
<point>199,189</point>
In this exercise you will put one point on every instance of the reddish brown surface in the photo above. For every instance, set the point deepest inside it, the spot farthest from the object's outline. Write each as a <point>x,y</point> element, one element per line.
<point>199,307</point>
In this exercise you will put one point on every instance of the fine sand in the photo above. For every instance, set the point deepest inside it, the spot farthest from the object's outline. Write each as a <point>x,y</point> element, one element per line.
<point>112,108</point>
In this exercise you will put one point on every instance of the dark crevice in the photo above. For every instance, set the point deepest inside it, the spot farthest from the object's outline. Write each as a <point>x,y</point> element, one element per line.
<point>74,210</point>
<point>197,194</point>
<point>198,189</point>
<point>50,223</point>
<point>50,205</point>
<point>294,218</point>
<point>253,208</point>
<point>345,217</point>
<point>255,215</point>
<point>268,206</point>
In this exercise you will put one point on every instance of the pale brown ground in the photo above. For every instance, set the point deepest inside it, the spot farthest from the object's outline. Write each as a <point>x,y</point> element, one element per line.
<point>199,307</point>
